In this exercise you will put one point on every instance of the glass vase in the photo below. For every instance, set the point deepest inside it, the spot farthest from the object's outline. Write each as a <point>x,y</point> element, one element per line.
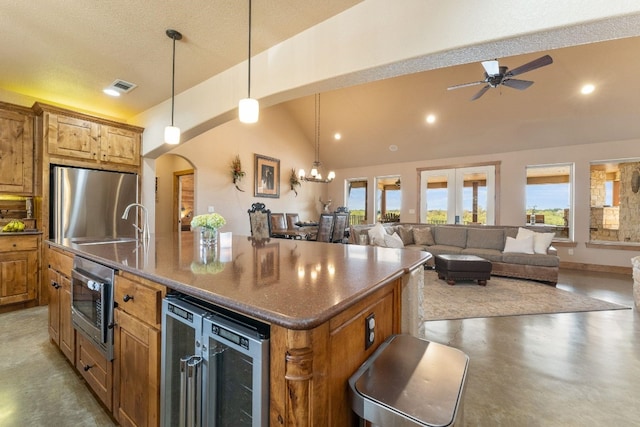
<point>208,236</point>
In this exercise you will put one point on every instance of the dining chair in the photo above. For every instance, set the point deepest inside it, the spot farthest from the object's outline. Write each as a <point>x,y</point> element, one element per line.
<point>292,220</point>
<point>260,221</point>
<point>325,228</point>
<point>278,225</point>
<point>340,224</point>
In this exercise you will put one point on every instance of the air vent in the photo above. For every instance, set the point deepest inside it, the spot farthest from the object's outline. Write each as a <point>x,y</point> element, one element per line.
<point>122,86</point>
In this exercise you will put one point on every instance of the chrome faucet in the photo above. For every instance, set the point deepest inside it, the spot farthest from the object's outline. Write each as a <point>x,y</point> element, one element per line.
<point>145,227</point>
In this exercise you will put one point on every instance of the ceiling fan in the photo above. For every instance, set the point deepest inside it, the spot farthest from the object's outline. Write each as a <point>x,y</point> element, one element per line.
<point>496,75</point>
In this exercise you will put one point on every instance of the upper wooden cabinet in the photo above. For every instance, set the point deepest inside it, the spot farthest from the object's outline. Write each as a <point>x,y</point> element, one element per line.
<point>16,149</point>
<point>81,140</point>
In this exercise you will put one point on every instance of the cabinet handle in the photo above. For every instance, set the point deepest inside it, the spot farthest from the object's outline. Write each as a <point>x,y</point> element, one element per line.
<point>55,284</point>
<point>111,325</point>
<point>87,367</point>
<point>127,297</point>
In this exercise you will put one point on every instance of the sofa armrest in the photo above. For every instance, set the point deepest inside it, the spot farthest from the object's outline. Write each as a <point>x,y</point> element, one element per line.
<point>552,251</point>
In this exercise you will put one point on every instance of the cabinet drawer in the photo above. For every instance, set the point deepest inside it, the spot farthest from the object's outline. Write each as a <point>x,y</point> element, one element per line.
<point>18,243</point>
<point>141,301</point>
<point>95,369</point>
<point>60,261</point>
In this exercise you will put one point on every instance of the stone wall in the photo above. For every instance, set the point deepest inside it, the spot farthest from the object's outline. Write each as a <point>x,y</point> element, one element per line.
<point>598,179</point>
<point>629,230</point>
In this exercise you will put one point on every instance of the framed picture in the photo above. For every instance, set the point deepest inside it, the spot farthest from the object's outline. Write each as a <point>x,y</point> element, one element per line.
<point>267,263</point>
<point>267,177</point>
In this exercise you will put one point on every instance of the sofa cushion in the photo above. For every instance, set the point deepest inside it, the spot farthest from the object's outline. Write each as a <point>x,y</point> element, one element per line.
<point>522,245</point>
<point>376,235</point>
<point>393,241</point>
<point>492,255</point>
<point>406,234</point>
<point>423,236</point>
<point>485,238</point>
<point>451,236</point>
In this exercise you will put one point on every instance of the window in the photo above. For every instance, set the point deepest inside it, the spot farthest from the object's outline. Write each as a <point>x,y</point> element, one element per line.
<point>549,198</point>
<point>459,195</point>
<point>388,199</point>
<point>357,201</point>
<point>614,213</point>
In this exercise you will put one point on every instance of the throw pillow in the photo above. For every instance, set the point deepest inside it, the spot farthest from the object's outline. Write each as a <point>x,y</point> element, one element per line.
<point>541,241</point>
<point>423,236</point>
<point>393,241</point>
<point>522,246</point>
<point>376,235</point>
<point>406,234</point>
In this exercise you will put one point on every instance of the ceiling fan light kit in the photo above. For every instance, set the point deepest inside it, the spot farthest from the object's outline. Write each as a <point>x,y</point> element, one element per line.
<point>496,75</point>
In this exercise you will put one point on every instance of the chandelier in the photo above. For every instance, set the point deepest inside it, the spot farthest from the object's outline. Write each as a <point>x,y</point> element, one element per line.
<point>315,175</point>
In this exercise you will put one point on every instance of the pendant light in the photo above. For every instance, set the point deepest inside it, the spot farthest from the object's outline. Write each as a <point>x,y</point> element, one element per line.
<point>248,108</point>
<point>172,133</point>
<point>315,174</point>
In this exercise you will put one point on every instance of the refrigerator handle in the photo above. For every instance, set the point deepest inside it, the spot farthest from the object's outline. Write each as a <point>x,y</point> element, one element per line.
<point>194,395</point>
<point>183,391</point>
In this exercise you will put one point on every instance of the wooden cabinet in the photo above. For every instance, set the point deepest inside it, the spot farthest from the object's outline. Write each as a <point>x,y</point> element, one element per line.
<point>136,364</point>
<point>16,149</point>
<point>61,329</point>
<point>18,268</point>
<point>95,369</point>
<point>81,140</point>
<point>309,369</point>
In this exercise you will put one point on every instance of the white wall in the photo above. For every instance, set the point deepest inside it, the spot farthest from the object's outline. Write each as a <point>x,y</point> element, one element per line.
<point>212,152</point>
<point>512,188</point>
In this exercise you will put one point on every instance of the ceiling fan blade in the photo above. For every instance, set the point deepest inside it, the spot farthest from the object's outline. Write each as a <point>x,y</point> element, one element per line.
<point>529,66</point>
<point>517,84</point>
<point>465,85</point>
<point>480,93</point>
<point>491,67</point>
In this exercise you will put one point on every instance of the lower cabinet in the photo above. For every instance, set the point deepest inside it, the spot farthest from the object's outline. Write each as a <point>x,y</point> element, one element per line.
<point>136,397</point>
<point>18,268</point>
<point>136,364</point>
<point>61,329</point>
<point>95,369</point>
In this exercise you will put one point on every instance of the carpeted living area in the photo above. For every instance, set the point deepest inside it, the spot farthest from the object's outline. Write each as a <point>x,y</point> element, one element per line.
<point>501,297</point>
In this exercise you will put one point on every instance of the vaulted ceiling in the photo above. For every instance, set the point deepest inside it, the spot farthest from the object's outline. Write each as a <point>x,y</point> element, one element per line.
<point>68,52</point>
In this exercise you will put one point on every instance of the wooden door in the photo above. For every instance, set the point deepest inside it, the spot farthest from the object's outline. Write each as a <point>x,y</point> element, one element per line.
<point>16,152</point>
<point>120,146</point>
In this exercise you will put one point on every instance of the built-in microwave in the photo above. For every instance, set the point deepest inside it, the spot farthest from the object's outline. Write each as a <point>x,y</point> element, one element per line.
<point>92,303</point>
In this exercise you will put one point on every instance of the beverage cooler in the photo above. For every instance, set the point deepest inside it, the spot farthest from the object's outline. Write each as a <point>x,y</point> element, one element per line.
<point>215,366</point>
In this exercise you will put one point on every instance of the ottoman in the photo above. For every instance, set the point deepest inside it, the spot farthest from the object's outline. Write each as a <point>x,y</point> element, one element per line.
<point>463,267</point>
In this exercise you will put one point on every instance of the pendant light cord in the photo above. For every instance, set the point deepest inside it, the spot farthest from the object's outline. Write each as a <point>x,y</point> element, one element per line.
<point>318,128</point>
<point>249,56</point>
<point>173,78</point>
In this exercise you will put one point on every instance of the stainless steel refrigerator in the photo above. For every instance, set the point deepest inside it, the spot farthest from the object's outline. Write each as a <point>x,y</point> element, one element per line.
<point>90,203</point>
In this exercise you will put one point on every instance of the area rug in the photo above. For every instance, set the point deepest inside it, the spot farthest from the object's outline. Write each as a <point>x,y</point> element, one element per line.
<point>501,297</point>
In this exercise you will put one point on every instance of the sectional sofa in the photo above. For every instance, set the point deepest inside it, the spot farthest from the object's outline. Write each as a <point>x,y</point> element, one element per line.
<point>518,252</point>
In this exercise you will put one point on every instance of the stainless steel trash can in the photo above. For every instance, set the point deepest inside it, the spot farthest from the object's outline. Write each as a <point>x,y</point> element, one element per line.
<point>408,381</point>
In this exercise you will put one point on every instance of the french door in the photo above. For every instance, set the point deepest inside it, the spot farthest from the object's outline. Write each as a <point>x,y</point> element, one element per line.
<point>458,195</point>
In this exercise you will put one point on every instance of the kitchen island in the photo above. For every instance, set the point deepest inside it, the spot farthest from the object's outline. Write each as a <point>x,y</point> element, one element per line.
<point>316,298</point>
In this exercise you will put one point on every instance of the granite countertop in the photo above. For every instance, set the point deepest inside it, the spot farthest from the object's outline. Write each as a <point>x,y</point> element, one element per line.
<point>292,283</point>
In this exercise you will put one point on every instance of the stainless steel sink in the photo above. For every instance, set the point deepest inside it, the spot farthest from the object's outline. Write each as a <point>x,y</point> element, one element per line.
<point>101,240</point>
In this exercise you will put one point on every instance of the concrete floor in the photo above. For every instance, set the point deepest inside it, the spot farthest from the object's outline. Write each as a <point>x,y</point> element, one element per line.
<point>572,369</point>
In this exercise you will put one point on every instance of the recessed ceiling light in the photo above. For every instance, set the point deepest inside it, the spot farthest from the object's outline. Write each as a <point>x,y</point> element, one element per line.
<point>431,119</point>
<point>587,89</point>
<point>337,136</point>
<point>111,92</point>
<point>393,147</point>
